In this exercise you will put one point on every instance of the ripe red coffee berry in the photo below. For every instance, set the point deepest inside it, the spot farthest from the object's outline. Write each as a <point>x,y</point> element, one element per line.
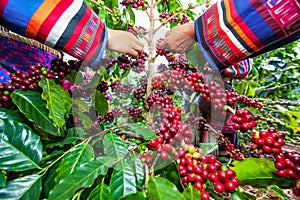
<point>204,195</point>
<point>229,186</point>
<point>219,187</point>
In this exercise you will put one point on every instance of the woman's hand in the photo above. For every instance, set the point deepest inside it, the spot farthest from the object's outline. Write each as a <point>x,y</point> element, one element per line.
<point>179,38</point>
<point>124,42</point>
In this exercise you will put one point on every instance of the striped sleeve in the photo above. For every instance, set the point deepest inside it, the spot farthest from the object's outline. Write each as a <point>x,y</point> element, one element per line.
<point>67,25</point>
<point>233,30</point>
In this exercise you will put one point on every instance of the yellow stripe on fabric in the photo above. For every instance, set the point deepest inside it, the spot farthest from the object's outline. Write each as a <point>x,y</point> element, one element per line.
<point>237,28</point>
<point>39,17</point>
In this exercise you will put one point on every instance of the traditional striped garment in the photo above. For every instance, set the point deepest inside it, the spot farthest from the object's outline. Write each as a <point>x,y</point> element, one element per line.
<point>67,25</point>
<point>233,30</point>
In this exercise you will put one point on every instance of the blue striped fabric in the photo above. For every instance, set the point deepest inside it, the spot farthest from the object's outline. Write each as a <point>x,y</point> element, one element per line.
<point>17,19</point>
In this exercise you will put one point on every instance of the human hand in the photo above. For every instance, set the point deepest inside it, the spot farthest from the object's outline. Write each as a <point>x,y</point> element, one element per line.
<point>239,70</point>
<point>124,42</point>
<point>179,39</point>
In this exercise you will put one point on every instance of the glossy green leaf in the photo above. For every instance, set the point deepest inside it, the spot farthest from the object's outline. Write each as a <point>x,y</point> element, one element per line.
<point>142,131</point>
<point>73,135</point>
<point>10,114</point>
<point>191,193</point>
<point>259,172</point>
<point>101,192</point>
<point>162,189</point>
<point>20,148</point>
<point>79,154</point>
<point>32,105</point>
<point>83,177</point>
<point>114,146</point>
<point>279,192</point>
<point>123,181</point>
<point>48,181</point>
<point>138,167</point>
<point>100,103</point>
<point>237,195</point>
<point>2,179</point>
<point>137,196</point>
<point>58,101</point>
<point>25,188</point>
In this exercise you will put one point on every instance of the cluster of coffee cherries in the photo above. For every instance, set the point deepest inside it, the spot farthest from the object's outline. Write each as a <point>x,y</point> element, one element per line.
<point>117,87</point>
<point>173,80</point>
<point>234,97</point>
<point>103,86</point>
<point>158,100</point>
<point>179,18</point>
<point>134,111</point>
<point>137,4</point>
<point>224,142</point>
<point>140,93</point>
<point>138,65</point>
<point>268,141</point>
<point>123,62</point>
<point>286,163</point>
<point>244,120</point>
<point>29,79</point>
<point>170,130</point>
<point>197,168</point>
<point>60,68</point>
<point>5,93</point>
<point>210,91</point>
<point>137,30</point>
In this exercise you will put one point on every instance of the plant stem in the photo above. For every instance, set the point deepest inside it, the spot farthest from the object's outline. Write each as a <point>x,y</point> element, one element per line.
<point>151,57</point>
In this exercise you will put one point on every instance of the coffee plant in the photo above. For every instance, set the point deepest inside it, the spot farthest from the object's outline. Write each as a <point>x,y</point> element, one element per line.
<point>137,129</point>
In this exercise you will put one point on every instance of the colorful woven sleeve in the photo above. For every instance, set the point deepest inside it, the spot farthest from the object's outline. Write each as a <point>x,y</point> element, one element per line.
<point>67,25</point>
<point>233,30</point>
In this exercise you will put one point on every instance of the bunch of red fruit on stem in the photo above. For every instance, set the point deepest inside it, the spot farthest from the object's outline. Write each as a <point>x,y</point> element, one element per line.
<point>244,120</point>
<point>286,163</point>
<point>199,170</point>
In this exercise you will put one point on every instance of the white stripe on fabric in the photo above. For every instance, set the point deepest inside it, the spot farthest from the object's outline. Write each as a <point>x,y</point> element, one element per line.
<point>62,23</point>
<point>228,32</point>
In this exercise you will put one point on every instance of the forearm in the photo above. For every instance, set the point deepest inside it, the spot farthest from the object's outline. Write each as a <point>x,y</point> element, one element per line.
<point>70,26</point>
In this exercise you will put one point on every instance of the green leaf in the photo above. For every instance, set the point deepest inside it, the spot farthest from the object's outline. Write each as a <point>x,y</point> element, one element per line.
<point>101,192</point>
<point>73,135</point>
<point>34,108</point>
<point>237,195</point>
<point>191,193</point>
<point>79,154</point>
<point>20,148</point>
<point>114,146</point>
<point>259,172</point>
<point>123,181</point>
<point>58,100</point>
<point>10,114</point>
<point>83,177</point>
<point>142,131</point>
<point>102,13</point>
<point>138,167</point>
<point>162,189</point>
<point>131,15</point>
<point>48,181</point>
<point>279,192</point>
<point>137,196</point>
<point>2,179</point>
<point>71,77</point>
<point>27,187</point>
<point>100,103</point>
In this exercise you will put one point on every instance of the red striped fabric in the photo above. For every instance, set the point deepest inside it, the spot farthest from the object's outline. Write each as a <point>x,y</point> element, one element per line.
<point>52,19</point>
<point>78,31</point>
